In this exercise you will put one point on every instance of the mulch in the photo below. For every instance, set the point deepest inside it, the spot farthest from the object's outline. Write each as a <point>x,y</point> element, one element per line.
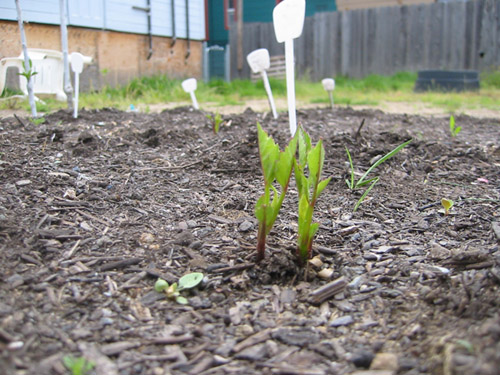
<point>94,210</point>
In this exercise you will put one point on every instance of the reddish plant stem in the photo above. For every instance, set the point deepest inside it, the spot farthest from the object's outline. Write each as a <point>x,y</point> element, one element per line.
<point>261,240</point>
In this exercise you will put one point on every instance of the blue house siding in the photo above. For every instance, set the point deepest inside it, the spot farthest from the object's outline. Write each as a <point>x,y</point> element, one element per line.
<point>117,15</point>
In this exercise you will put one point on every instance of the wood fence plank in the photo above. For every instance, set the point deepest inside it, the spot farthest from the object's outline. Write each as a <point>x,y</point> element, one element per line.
<point>451,35</point>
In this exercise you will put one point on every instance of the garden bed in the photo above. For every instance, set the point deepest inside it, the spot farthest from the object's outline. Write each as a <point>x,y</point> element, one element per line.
<point>94,210</point>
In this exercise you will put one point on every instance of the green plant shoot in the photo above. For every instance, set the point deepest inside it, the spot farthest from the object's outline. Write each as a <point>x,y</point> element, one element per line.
<point>353,185</point>
<point>77,366</point>
<point>447,205</point>
<point>216,121</point>
<point>28,73</point>
<point>454,130</point>
<point>276,166</point>
<point>309,189</point>
<point>187,281</point>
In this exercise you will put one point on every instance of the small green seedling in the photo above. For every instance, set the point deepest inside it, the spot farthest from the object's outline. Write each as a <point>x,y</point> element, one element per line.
<point>353,185</point>
<point>38,120</point>
<point>78,365</point>
<point>216,121</point>
<point>188,281</point>
<point>309,189</point>
<point>454,130</point>
<point>276,166</point>
<point>28,73</point>
<point>447,205</point>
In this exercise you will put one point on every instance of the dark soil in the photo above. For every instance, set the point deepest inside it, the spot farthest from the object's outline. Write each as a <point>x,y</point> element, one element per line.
<point>94,210</point>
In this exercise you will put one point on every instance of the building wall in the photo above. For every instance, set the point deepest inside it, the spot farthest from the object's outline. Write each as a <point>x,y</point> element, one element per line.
<point>116,15</point>
<point>364,4</point>
<point>262,11</point>
<point>117,57</point>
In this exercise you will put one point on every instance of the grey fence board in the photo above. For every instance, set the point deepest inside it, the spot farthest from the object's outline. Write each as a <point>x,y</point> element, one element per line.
<point>451,35</point>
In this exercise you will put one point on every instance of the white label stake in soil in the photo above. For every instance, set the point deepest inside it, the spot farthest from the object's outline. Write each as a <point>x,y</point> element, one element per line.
<point>77,67</point>
<point>189,85</point>
<point>259,62</point>
<point>329,86</point>
<point>288,18</point>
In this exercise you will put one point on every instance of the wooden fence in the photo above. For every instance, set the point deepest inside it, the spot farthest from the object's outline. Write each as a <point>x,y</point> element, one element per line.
<point>452,35</point>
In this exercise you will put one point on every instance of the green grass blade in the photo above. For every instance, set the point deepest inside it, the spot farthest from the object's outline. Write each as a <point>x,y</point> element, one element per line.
<point>350,183</point>
<point>382,159</point>
<point>365,194</point>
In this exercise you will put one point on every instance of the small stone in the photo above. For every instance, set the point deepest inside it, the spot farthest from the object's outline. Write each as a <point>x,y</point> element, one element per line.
<point>105,321</point>
<point>15,345</point>
<point>191,223</point>
<point>15,280</point>
<point>362,358</point>
<point>23,182</point>
<point>253,353</point>
<point>342,321</point>
<point>439,252</point>
<point>85,226</point>
<point>245,226</point>
<point>244,330</point>
<point>200,303</point>
<point>296,336</point>
<point>326,273</point>
<point>316,261</point>
<point>183,225</point>
<point>288,295</point>
<point>80,333</point>
<point>217,297</point>
<point>385,361</point>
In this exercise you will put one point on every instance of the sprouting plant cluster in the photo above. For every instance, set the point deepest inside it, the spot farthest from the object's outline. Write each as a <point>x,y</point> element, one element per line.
<point>363,181</point>
<point>78,365</point>
<point>187,281</point>
<point>216,121</point>
<point>277,167</point>
<point>454,129</point>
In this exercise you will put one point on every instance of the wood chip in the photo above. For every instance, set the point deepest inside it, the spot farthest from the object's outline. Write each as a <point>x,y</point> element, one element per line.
<point>120,264</point>
<point>327,291</point>
<point>253,340</point>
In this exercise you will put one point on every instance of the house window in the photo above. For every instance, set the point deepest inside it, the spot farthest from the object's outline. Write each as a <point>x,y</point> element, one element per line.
<point>229,11</point>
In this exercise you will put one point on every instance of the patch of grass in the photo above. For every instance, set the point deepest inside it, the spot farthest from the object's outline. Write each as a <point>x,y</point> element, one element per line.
<point>371,91</point>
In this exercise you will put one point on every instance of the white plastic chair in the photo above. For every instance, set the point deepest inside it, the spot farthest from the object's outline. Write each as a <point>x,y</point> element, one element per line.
<point>49,66</point>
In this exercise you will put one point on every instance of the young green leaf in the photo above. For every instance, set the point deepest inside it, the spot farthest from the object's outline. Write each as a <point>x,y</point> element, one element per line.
<point>190,280</point>
<point>447,205</point>
<point>322,185</point>
<point>277,167</point>
<point>161,285</point>
<point>181,300</point>
<point>309,189</point>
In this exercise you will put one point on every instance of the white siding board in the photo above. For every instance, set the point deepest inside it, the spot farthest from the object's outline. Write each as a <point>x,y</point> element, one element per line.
<point>88,13</point>
<point>46,11</point>
<point>117,15</point>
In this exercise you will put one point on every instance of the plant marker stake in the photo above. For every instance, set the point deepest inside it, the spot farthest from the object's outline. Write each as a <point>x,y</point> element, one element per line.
<point>77,67</point>
<point>329,86</point>
<point>259,62</point>
<point>31,92</point>
<point>288,19</point>
<point>189,85</point>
